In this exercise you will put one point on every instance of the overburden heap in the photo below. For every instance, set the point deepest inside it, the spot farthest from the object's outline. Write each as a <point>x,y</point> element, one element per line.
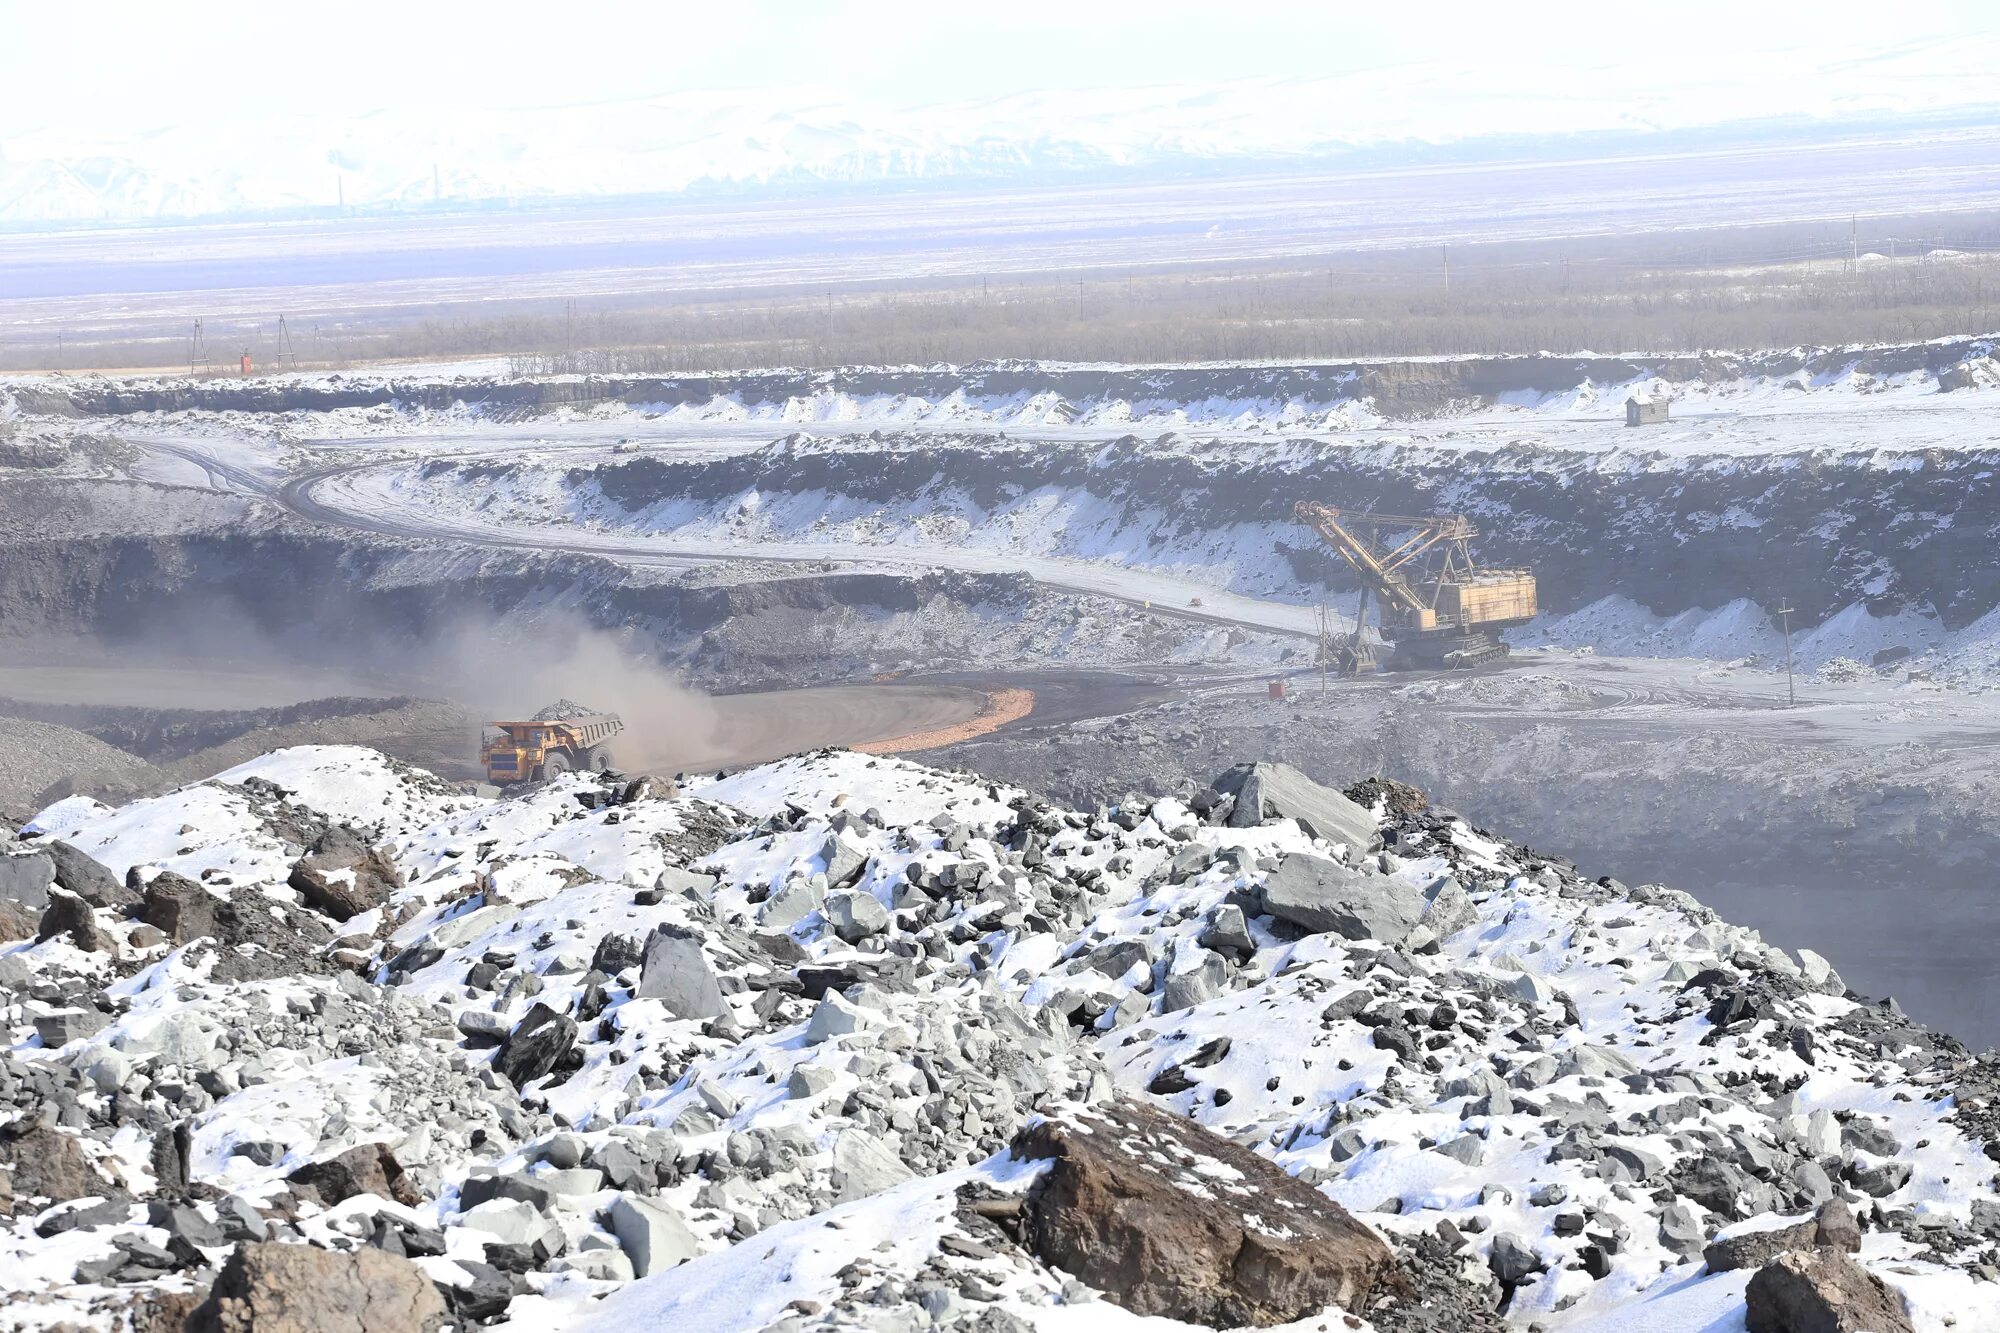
<point>844,1041</point>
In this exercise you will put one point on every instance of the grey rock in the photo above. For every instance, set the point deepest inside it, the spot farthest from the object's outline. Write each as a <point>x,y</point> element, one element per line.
<point>482,1027</point>
<point>532,1049</point>
<point>85,877</point>
<point>856,915</point>
<point>809,1081</point>
<point>651,1234</point>
<point>1513,1259</point>
<point>1589,1060</point>
<point>1881,1180</point>
<point>1228,934</point>
<point>564,1152</point>
<point>795,901</point>
<point>844,862</point>
<point>1819,975</point>
<point>185,1223</point>
<point>1279,791</point>
<point>520,1187</point>
<point>1466,1148</point>
<point>1320,895</point>
<point>834,1016</point>
<point>1680,1232</point>
<point>67,1025</point>
<point>25,879</point>
<point>1811,1184</point>
<point>1449,909</point>
<point>677,973</point>
<point>864,1166</point>
<point>1187,987</point>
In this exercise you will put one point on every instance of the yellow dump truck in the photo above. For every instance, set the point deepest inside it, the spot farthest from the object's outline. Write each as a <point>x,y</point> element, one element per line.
<point>550,743</point>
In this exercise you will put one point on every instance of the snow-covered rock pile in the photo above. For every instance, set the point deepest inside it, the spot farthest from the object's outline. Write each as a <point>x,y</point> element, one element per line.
<point>840,1042</point>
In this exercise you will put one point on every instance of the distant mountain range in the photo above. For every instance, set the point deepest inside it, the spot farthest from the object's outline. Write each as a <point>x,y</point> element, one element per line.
<point>680,142</point>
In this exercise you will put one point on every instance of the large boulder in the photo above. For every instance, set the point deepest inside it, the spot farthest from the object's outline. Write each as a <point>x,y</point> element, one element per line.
<point>269,1287</point>
<point>1169,1219</point>
<point>180,908</point>
<point>342,876</point>
<point>1318,895</point>
<point>651,1234</point>
<point>84,876</point>
<point>676,972</point>
<point>1279,791</point>
<point>1821,1291</point>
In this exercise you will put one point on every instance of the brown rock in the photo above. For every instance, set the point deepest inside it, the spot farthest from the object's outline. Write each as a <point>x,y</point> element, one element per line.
<point>1821,1291</point>
<point>1835,1226</point>
<point>72,916</point>
<point>318,879</point>
<point>1169,1219</point>
<point>180,908</point>
<point>368,1169</point>
<point>270,1287</point>
<point>50,1164</point>
<point>165,1311</point>
<point>16,921</point>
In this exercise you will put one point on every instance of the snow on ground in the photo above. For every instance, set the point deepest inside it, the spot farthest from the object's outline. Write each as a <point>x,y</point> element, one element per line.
<point>904,966</point>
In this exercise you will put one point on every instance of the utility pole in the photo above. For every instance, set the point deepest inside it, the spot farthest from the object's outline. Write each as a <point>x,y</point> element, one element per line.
<point>1853,242</point>
<point>1791,691</point>
<point>197,351</point>
<point>286,351</point>
<point>1446,251</point>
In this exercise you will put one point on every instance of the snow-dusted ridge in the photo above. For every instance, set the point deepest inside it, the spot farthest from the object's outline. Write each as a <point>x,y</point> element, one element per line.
<point>785,1016</point>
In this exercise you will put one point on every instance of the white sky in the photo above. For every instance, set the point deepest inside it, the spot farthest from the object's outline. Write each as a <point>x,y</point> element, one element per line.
<point>130,67</point>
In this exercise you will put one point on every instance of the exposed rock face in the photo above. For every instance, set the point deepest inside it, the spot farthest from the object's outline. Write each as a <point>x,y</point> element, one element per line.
<point>1317,895</point>
<point>276,1288</point>
<point>1169,1219</point>
<point>1821,1291</point>
<point>1279,791</point>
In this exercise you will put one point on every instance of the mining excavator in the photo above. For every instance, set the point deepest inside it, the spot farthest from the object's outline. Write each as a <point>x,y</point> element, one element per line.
<point>1440,609</point>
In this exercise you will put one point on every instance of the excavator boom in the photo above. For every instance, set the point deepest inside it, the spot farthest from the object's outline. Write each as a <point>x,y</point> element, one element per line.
<point>1439,607</point>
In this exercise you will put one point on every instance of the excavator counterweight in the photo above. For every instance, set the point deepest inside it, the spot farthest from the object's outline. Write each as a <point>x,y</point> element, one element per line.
<point>1439,608</point>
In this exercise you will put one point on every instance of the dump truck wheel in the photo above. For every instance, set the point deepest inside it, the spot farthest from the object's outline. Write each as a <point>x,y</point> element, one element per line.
<point>553,764</point>
<point>597,758</point>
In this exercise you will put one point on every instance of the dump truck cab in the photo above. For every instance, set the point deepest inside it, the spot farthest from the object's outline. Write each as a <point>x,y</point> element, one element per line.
<point>545,747</point>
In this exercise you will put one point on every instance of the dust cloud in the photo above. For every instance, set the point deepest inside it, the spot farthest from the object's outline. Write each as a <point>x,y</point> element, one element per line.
<point>504,676</point>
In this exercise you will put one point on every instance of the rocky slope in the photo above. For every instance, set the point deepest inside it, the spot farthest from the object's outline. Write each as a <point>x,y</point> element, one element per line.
<point>847,1042</point>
